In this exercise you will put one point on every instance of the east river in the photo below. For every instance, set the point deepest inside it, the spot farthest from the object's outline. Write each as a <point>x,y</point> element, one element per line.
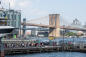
<point>51,54</point>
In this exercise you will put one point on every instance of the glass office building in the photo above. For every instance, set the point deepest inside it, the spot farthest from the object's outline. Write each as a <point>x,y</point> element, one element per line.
<point>10,18</point>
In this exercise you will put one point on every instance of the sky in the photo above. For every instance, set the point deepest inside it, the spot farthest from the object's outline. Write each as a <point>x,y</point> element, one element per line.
<point>32,9</point>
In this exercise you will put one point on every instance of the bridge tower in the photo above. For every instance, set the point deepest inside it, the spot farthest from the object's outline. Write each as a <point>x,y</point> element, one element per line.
<point>55,21</point>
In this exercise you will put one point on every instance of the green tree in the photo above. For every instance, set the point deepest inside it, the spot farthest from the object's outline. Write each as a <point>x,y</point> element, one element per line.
<point>70,34</point>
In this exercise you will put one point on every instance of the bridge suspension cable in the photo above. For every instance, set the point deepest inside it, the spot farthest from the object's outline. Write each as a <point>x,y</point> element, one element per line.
<point>41,20</point>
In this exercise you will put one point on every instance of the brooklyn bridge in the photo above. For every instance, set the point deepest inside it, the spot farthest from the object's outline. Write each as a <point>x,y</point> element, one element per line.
<point>54,25</point>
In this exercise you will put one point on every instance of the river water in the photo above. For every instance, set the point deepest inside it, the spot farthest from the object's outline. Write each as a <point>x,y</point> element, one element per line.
<point>52,54</point>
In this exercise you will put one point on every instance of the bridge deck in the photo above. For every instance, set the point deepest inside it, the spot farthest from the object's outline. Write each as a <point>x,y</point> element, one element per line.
<point>51,26</point>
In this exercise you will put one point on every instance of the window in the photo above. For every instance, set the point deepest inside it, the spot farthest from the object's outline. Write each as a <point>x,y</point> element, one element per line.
<point>12,16</point>
<point>1,15</point>
<point>8,16</point>
<point>15,16</point>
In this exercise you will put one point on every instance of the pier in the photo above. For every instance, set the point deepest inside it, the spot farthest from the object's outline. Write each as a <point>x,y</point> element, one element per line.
<point>19,46</point>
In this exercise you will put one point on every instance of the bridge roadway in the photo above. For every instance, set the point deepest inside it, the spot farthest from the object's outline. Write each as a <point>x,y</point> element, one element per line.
<point>51,26</point>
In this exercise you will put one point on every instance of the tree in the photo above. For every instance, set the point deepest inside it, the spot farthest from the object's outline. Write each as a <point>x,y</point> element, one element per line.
<point>70,34</point>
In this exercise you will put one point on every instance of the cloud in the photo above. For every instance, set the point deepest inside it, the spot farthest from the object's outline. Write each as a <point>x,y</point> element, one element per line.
<point>25,3</point>
<point>12,3</point>
<point>38,12</point>
<point>6,3</point>
<point>29,7</point>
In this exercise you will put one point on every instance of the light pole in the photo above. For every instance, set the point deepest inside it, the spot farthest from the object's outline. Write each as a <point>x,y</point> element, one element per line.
<point>24,27</point>
<point>63,37</point>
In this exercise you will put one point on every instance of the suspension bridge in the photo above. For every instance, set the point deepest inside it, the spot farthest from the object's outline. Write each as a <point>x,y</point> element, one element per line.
<point>55,23</point>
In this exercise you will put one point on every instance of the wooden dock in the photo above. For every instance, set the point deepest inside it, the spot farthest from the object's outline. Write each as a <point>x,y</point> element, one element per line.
<point>40,50</point>
<point>31,50</point>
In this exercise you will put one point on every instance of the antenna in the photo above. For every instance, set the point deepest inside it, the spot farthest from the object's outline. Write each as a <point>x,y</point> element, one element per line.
<point>9,5</point>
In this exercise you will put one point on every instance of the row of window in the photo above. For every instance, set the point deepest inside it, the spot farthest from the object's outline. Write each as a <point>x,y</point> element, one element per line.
<point>10,15</point>
<point>15,18</point>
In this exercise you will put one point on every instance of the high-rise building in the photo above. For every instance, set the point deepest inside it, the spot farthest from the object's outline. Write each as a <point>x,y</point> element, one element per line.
<point>12,18</point>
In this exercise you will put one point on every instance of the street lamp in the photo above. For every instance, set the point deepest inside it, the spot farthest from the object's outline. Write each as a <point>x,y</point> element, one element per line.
<point>63,36</point>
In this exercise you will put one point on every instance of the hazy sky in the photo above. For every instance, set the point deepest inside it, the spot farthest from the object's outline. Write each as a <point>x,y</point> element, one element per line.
<point>31,9</point>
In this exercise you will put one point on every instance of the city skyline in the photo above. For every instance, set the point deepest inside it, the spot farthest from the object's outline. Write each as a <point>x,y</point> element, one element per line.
<point>32,9</point>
